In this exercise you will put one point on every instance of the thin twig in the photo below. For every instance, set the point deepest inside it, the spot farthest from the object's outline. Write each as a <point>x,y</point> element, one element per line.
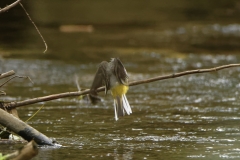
<point>87,91</point>
<point>7,74</point>
<point>34,114</point>
<point>46,47</point>
<point>9,6</point>
<point>15,77</point>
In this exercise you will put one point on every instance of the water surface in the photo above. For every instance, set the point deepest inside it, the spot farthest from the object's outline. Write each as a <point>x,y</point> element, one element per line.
<point>194,116</point>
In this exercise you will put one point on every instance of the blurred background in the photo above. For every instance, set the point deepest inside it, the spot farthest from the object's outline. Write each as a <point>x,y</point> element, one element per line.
<point>77,31</point>
<point>190,117</point>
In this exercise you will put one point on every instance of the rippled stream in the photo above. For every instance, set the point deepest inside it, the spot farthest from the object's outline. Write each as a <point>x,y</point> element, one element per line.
<point>191,117</point>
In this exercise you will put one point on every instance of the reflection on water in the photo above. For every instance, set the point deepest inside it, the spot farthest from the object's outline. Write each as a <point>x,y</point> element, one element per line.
<point>195,116</point>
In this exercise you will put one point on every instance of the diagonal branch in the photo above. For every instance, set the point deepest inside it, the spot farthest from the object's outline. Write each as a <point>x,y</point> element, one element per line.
<point>19,2</point>
<point>7,74</point>
<point>9,6</point>
<point>22,129</point>
<point>175,75</point>
<point>87,91</point>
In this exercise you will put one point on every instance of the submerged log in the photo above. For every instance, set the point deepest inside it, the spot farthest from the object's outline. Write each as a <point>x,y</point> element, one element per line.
<point>22,129</point>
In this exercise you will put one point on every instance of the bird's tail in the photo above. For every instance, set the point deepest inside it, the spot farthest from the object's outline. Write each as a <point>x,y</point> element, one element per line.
<point>121,106</point>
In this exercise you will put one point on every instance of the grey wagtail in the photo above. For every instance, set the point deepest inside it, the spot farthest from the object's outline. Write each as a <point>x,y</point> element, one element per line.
<point>114,76</point>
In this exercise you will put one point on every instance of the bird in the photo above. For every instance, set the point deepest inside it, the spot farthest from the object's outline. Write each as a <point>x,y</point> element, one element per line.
<point>114,77</point>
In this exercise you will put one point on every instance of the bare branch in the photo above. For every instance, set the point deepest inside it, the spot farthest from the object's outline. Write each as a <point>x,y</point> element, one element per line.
<point>15,77</point>
<point>48,98</point>
<point>46,47</point>
<point>87,91</point>
<point>9,6</point>
<point>182,74</point>
<point>7,74</point>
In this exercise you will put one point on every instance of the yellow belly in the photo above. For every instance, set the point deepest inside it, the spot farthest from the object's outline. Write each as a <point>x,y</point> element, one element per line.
<point>119,90</point>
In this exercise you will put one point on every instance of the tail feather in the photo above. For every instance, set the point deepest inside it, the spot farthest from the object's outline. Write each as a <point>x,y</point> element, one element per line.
<point>126,105</point>
<point>118,104</point>
<point>121,106</point>
<point>115,109</point>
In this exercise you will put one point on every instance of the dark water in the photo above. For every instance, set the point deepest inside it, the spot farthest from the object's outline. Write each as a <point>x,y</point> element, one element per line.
<point>190,117</point>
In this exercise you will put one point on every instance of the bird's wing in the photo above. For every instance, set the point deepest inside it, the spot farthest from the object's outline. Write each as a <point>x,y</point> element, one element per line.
<point>98,81</point>
<point>120,72</point>
<point>105,76</point>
